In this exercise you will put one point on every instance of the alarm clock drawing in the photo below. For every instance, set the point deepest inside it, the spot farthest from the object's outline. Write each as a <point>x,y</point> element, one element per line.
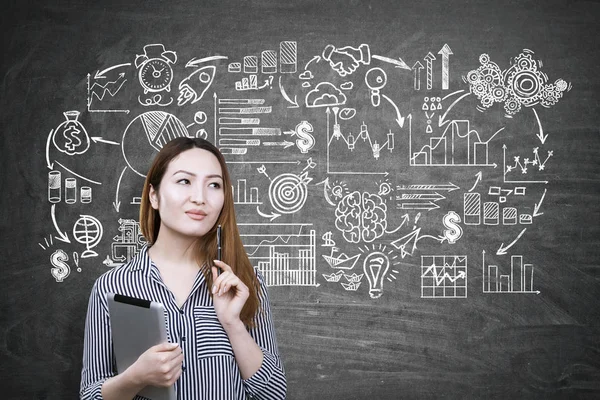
<point>155,72</point>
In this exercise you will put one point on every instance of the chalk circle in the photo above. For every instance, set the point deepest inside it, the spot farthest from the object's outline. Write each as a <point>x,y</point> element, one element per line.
<point>376,78</point>
<point>526,85</point>
<point>200,117</point>
<point>347,113</point>
<point>287,193</point>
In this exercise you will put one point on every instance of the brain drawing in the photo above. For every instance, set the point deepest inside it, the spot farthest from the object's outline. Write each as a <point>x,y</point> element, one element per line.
<point>361,217</point>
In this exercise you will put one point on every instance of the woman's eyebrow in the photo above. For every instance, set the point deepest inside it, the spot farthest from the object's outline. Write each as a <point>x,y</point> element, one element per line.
<point>211,176</point>
<point>183,172</point>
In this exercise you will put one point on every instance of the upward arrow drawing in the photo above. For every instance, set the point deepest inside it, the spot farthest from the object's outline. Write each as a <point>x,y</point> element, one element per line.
<point>445,52</point>
<point>417,75</point>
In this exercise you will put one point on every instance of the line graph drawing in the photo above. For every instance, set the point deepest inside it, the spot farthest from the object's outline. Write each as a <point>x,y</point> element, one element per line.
<point>284,253</point>
<point>443,276</point>
<point>507,168</point>
<point>458,145</point>
<point>350,142</point>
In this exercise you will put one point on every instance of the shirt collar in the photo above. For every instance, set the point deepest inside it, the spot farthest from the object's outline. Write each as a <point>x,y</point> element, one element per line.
<point>142,261</point>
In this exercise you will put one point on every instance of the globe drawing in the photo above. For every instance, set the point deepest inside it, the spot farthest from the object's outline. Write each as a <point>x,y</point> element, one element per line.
<point>88,230</point>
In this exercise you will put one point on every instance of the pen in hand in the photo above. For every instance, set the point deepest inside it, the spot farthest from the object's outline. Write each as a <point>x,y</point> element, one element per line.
<point>219,247</point>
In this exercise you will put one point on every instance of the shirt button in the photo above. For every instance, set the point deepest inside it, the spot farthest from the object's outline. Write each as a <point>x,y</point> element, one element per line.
<point>181,312</point>
<point>183,367</point>
<point>183,338</point>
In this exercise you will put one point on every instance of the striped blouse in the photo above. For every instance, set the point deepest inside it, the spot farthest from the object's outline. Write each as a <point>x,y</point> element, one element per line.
<point>209,369</point>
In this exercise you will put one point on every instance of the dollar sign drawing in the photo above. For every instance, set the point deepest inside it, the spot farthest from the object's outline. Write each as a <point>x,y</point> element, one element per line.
<point>454,231</point>
<point>61,269</point>
<point>305,140</point>
<point>71,135</point>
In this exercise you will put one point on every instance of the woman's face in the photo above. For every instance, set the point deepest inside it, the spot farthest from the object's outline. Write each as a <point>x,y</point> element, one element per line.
<point>190,195</point>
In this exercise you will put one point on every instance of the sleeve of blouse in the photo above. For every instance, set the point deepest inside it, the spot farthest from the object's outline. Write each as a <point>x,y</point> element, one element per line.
<point>269,382</point>
<point>97,348</point>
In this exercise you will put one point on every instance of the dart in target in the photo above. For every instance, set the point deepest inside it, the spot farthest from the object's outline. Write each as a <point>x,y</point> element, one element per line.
<point>287,191</point>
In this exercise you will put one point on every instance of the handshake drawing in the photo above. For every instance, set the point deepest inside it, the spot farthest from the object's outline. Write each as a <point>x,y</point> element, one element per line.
<point>347,59</point>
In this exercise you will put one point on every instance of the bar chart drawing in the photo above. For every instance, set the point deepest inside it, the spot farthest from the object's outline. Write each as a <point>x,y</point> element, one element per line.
<point>285,254</point>
<point>444,276</point>
<point>519,280</point>
<point>458,146</point>
<point>242,194</point>
<point>490,213</point>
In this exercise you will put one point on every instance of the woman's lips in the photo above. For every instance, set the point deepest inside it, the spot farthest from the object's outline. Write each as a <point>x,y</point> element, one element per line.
<point>196,215</point>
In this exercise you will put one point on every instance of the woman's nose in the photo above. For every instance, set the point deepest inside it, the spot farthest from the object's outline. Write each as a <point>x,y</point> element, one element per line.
<point>197,196</point>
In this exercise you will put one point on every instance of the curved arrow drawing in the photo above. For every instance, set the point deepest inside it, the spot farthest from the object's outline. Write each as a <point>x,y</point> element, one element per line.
<point>48,163</point>
<point>478,175</point>
<point>441,121</point>
<point>540,134</point>
<point>294,103</point>
<point>271,216</point>
<point>100,74</point>
<point>194,63</point>
<point>117,203</point>
<point>502,250</point>
<point>399,118</point>
<point>63,237</point>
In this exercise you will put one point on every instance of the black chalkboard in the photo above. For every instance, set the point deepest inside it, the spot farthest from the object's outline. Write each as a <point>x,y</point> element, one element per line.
<point>418,182</point>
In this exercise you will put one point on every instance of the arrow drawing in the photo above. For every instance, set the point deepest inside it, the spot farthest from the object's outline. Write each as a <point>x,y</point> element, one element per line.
<point>48,163</point>
<point>421,196</point>
<point>294,103</point>
<point>97,139</point>
<point>502,250</point>
<point>194,63</point>
<point>63,237</point>
<point>285,144</point>
<point>117,203</point>
<point>101,74</point>
<point>399,117</point>
<point>417,75</point>
<point>478,175</point>
<point>405,219</point>
<point>443,117</point>
<point>398,63</point>
<point>445,52</point>
<point>449,187</point>
<point>271,216</point>
<point>537,206</point>
<point>419,206</point>
<point>540,134</point>
<point>429,58</point>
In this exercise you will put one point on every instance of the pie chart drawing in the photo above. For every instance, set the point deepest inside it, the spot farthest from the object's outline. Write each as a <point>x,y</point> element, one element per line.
<point>145,135</point>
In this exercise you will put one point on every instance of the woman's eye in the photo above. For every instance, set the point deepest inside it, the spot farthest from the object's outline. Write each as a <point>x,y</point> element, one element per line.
<point>184,181</point>
<point>215,185</point>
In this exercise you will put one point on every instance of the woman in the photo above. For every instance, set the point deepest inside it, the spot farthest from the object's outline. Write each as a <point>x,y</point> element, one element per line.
<point>221,337</point>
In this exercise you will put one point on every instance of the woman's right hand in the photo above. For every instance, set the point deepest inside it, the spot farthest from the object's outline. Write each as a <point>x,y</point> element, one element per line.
<point>160,365</point>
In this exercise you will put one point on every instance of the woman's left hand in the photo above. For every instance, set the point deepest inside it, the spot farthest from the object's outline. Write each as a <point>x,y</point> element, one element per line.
<point>229,294</point>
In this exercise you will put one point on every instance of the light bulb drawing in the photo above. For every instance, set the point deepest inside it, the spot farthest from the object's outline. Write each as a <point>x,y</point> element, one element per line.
<point>375,266</point>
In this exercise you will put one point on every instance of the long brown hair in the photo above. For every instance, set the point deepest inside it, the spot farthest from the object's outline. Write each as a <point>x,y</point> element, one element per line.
<point>233,252</point>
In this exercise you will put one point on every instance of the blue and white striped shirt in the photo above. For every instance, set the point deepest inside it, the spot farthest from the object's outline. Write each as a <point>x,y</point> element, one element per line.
<point>209,368</point>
